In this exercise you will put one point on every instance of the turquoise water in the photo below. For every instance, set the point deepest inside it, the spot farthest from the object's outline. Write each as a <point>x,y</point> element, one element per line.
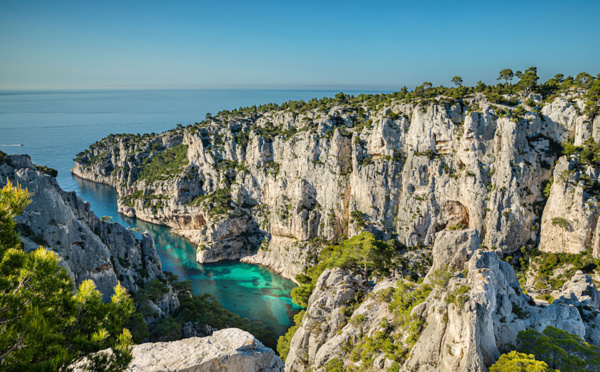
<point>54,126</point>
<point>249,290</point>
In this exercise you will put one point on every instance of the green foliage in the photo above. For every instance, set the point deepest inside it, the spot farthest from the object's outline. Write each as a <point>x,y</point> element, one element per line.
<point>219,202</point>
<point>272,168</point>
<point>4,158</point>
<point>164,164</point>
<point>44,324</point>
<point>358,218</point>
<point>592,105</point>
<point>547,265</point>
<point>397,338</point>
<point>519,362</point>
<point>335,365</point>
<point>167,329</point>
<point>589,155</point>
<point>430,154</point>
<point>547,187</point>
<point>361,254</point>
<point>459,297</point>
<point>560,349</point>
<point>300,295</point>
<point>529,80</point>
<point>47,170</point>
<point>283,343</point>
<point>506,75</point>
<point>129,200</point>
<point>589,151</point>
<point>498,98</point>
<point>457,227</point>
<point>457,80</point>
<point>561,222</point>
<point>406,296</point>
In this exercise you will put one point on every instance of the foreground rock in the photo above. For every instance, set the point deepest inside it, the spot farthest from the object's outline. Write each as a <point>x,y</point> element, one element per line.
<point>227,350</point>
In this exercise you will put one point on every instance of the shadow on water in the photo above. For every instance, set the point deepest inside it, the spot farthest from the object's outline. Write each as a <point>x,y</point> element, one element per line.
<point>249,290</point>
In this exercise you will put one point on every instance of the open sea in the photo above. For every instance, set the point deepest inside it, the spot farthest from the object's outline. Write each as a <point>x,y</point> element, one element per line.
<point>53,126</point>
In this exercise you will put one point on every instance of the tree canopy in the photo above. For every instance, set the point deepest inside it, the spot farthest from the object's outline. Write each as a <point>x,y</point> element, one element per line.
<point>44,324</point>
<point>457,80</point>
<point>519,362</point>
<point>506,75</point>
<point>560,349</point>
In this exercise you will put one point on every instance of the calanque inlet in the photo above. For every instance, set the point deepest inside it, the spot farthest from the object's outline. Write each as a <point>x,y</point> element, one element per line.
<point>440,229</point>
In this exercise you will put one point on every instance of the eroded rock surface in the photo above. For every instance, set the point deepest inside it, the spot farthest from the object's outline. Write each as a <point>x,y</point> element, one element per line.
<point>266,186</point>
<point>469,321</point>
<point>227,350</point>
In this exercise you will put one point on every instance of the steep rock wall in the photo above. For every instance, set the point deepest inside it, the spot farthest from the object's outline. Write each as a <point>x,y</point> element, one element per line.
<point>269,187</point>
<point>90,248</point>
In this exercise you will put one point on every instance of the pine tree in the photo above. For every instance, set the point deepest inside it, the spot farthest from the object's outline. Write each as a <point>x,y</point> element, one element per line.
<point>44,324</point>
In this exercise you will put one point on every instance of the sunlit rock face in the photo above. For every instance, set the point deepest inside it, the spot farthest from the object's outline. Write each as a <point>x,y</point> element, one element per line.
<point>266,187</point>
<point>468,321</point>
<point>227,350</point>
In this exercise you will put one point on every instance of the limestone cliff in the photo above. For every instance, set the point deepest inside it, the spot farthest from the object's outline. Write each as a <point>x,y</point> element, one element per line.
<point>267,185</point>
<point>90,248</point>
<point>471,313</point>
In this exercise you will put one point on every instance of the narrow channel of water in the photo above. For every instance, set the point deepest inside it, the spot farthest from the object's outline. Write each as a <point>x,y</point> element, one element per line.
<point>249,290</point>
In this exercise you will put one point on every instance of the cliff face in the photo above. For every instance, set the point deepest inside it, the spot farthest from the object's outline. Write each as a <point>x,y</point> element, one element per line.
<point>471,313</point>
<point>90,248</point>
<point>266,186</point>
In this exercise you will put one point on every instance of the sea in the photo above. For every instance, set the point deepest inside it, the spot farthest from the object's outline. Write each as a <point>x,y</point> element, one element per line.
<point>53,126</point>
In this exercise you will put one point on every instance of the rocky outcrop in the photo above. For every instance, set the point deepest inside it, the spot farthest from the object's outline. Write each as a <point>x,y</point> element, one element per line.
<point>452,250</point>
<point>471,335</point>
<point>570,223</point>
<point>90,248</point>
<point>318,339</point>
<point>469,319</point>
<point>268,186</point>
<point>227,350</point>
<point>580,290</point>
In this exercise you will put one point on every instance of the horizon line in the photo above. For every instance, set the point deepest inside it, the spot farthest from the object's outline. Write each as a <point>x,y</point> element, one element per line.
<point>323,87</point>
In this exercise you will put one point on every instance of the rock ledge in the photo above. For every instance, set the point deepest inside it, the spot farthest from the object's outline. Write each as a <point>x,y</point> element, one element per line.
<point>226,350</point>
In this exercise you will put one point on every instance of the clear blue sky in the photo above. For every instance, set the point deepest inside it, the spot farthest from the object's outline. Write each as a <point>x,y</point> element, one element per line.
<point>289,44</point>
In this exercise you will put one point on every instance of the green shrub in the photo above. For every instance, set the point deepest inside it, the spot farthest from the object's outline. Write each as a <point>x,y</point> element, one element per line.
<point>335,365</point>
<point>47,170</point>
<point>519,362</point>
<point>283,343</point>
<point>561,222</point>
<point>164,165</point>
<point>358,218</point>
<point>45,324</point>
<point>360,254</point>
<point>560,349</point>
<point>219,202</point>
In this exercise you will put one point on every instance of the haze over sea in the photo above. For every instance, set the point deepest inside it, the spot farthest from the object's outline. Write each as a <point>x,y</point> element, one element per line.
<point>53,126</point>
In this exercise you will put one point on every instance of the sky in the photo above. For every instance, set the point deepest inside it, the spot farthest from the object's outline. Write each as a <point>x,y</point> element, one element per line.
<point>289,44</point>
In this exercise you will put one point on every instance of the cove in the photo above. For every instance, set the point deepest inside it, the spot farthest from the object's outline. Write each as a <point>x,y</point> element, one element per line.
<point>251,291</point>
